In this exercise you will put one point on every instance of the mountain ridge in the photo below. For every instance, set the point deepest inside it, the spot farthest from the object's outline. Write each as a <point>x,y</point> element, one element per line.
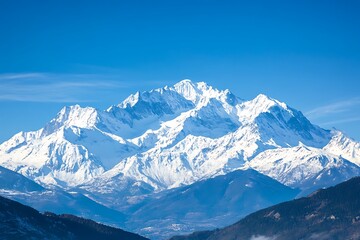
<point>215,202</point>
<point>332,213</point>
<point>175,136</point>
<point>20,221</point>
<point>146,137</point>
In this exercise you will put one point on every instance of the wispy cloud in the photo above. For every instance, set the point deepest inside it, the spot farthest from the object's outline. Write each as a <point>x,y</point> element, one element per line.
<point>50,87</point>
<point>345,120</point>
<point>334,108</point>
<point>9,76</point>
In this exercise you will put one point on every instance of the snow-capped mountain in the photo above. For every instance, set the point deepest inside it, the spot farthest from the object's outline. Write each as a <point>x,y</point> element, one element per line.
<point>165,138</point>
<point>344,146</point>
<point>304,167</point>
<point>175,136</point>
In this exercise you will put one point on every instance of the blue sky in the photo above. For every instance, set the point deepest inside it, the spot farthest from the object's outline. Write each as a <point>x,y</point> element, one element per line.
<point>95,53</point>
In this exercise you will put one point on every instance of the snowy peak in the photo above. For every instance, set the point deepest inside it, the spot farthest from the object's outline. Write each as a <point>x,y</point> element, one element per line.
<point>280,123</point>
<point>188,90</point>
<point>344,146</point>
<point>201,92</point>
<point>261,104</point>
<point>267,101</point>
<point>304,167</point>
<point>131,100</point>
<point>157,102</point>
<point>171,101</point>
<point>73,116</point>
<point>183,96</point>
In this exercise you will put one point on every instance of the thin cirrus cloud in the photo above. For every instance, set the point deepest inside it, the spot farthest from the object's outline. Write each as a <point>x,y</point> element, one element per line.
<point>335,114</point>
<point>46,87</point>
<point>346,120</point>
<point>334,108</point>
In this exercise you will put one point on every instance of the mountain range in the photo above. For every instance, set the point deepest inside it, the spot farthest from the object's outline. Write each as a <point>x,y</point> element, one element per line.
<point>175,146</point>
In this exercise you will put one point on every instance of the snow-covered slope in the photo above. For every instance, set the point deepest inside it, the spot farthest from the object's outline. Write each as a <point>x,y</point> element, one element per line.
<point>69,150</point>
<point>164,138</point>
<point>304,167</point>
<point>344,146</point>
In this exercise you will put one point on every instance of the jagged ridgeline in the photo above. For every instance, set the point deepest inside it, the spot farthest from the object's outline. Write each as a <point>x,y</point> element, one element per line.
<point>155,144</point>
